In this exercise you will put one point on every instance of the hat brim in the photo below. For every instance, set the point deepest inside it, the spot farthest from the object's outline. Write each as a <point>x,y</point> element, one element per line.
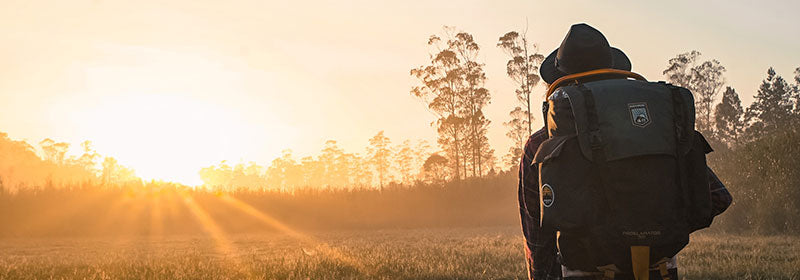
<point>550,73</point>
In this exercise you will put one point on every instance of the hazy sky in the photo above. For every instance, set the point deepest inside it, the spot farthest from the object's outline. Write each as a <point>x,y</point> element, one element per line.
<point>168,87</point>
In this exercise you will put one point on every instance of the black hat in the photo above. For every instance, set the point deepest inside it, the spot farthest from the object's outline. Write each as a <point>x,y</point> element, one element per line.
<point>583,49</point>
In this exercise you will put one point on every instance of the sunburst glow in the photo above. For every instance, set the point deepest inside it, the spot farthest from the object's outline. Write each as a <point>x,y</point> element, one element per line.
<point>165,114</point>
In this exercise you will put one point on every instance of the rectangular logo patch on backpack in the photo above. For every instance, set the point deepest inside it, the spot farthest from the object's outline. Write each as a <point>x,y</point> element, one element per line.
<point>639,115</point>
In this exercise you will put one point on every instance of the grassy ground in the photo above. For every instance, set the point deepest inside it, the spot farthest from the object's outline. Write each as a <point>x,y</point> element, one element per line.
<point>483,253</point>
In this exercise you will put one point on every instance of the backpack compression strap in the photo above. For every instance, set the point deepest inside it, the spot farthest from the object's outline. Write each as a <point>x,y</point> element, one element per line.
<point>575,76</point>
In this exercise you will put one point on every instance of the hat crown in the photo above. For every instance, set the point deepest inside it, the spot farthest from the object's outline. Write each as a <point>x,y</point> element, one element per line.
<point>583,49</point>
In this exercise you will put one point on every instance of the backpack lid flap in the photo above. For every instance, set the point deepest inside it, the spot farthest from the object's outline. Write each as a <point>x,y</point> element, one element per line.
<point>635,118</point>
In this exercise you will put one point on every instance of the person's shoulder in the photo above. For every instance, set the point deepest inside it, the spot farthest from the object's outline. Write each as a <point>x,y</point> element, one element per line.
<point>536,139</point>
<point>539,135</point>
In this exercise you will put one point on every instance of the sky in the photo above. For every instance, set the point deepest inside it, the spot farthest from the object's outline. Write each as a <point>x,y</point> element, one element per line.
<point>169,87</point>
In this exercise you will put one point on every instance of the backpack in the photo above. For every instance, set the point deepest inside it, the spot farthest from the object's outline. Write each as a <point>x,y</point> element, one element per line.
<point>622,175</point>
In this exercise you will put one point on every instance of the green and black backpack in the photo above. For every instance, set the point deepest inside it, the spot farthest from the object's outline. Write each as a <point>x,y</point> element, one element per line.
<point>622,175</point>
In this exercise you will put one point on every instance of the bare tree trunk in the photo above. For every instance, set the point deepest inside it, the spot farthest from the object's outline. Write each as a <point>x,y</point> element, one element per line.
<point>456,148</point>
<point>526,81</point>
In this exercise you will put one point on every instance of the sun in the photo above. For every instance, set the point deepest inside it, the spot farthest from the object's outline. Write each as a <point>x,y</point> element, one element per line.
<point>169,113</point>
<point>164,137</point>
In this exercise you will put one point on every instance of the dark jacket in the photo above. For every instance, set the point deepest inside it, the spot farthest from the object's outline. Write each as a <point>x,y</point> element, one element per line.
<point>545,266</point>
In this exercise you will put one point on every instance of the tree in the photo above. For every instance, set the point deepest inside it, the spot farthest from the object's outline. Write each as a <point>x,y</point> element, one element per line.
<point>763,175</point>
<point>707,83</point>
<point>475,96</point>
<point>439,90</point>
<point>729,117</point>
<point>772,108</point>
<point>483,154</point>
<point>679,70</point>
<point>452,87</point>
<point>313,172</point>
<point>379,155</point>
<point>54,151</point>
<point>522,68</point>
<point>704,80</point>
<point>19,163</point>
<point>114,173</point>
<point>250,176</point>
<point>88,160</point>
<point>335,174</point>
<point>518,134</point>
<point>480,150</point>
<point>406,162</point>
<point>216,177</point>
<point>434,170</point>
<point>796,89</point>
<point>421,153</point>
<point>354,171</point>
<point>361,174</point>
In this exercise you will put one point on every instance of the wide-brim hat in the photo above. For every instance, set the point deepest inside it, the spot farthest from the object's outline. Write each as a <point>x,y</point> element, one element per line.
<point>583,49</point>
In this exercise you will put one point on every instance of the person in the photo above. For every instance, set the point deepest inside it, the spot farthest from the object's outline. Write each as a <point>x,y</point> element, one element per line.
<point>583,49</point>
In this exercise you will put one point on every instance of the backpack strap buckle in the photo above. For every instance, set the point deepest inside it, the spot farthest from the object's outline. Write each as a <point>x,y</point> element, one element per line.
<point>609,271</point>
<point>662,269</point>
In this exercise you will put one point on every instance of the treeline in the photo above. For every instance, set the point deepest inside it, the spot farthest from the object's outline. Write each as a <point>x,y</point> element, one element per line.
<point>158,208</point>
<point>382,164</point>
<point>51,164</point>
<point>23,165</point>
<point>756,146</point>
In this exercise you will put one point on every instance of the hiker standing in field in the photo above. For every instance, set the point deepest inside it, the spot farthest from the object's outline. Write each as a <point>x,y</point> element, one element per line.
<point>616,181</point>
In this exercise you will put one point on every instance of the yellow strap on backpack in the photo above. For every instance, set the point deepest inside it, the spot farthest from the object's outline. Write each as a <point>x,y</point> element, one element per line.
<point>566,78</point>
<point>640,261</point>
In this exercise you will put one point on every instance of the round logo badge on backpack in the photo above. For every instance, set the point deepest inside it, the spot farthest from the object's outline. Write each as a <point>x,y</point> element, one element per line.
<point>547,195</point>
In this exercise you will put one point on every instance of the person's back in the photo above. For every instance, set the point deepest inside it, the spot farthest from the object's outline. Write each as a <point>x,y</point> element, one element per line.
<point>609,164</point>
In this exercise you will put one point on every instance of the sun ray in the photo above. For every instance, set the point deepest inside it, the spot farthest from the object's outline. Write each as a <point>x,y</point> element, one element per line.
<point>264,218</point>
<point>133,215</point>
<point>223,245</point>
<point>303,238</point>
<point>156,216</point>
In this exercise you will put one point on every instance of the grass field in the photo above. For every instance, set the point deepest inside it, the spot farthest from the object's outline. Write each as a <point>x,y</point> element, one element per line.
<point>471,253</point>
